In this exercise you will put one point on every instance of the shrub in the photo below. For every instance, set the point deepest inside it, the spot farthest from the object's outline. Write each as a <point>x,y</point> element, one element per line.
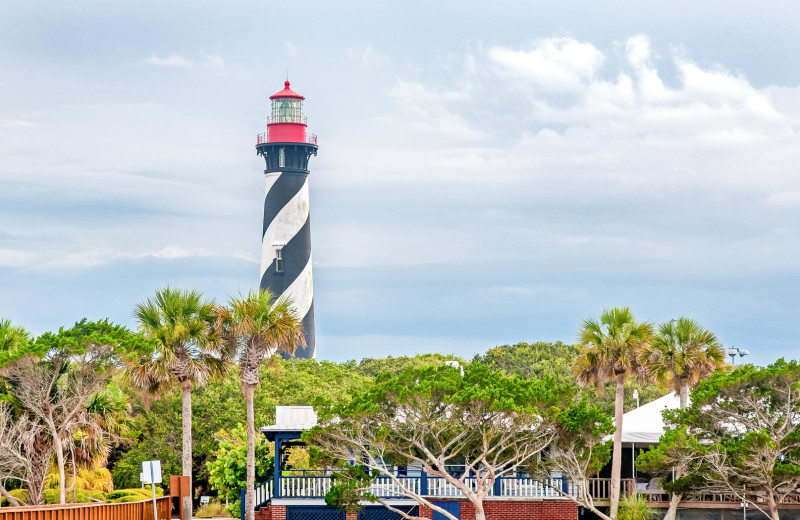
<point>211,510</point>
<point>234,508</point>
<point>635,507</point>
<point>21,494</point>
<point>133,494</point>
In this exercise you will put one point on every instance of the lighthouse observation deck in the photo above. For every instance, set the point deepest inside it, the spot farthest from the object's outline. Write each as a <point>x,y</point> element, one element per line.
<point>264,139</point>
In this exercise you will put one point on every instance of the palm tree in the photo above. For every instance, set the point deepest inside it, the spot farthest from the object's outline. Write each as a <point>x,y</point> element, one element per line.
<point>680,356</point>
<point>257,327</point>
<point>180,324</point>
<point>13,339</point>
<point>611,350</point>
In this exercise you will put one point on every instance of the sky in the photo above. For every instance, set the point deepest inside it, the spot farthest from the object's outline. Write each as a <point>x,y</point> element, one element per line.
<point>488,172</point>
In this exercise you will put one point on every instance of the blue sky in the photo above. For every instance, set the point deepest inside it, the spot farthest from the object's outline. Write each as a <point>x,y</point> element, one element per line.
<point>489,172</point>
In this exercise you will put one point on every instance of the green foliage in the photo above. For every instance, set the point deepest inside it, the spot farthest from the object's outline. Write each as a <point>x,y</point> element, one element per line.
<point>15,342</point>
<point>228,470</point>
<point>371,367</point>
<point>445,384</point>
<point>532,360</point>
<point>78,338</point>
<point>484,419</point>
<point>21,494</point>
<point>347,489</point>
<point>554,360</point>
<point>133,494</point>
<point>583,426</point>
<point>635,507</point>
<point>218,406</point>
<point>740,434</point>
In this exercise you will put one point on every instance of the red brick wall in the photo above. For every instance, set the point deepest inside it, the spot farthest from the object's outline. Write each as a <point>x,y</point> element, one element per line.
<point>271,513</point>
<point>494,510</point>
<point>507,510</point>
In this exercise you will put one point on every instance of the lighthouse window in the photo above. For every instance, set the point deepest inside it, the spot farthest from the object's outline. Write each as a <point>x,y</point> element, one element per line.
<point>287,110</point>
<point>278,260</point>
<point>281,158</point>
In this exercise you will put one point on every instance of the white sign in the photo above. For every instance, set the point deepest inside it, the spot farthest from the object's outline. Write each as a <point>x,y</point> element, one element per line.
<point>151,469</point>
<point>204,500</point>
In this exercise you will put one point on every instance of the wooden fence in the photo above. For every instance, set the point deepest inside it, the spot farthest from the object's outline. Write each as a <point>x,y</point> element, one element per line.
<point>93,511</point>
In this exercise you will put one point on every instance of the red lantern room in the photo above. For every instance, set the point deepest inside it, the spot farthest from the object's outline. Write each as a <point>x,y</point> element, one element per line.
<point>287,124</point>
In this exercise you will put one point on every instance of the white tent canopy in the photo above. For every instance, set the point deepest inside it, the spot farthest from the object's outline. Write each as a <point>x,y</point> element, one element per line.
<point>645,425</point>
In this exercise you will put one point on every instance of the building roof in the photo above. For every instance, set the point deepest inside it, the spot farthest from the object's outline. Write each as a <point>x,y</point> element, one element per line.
<point>286,92</point>
<point>292,419</point>
<point>645,425</point>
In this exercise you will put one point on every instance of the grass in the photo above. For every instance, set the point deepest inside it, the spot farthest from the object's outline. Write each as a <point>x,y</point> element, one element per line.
<point>211,510</point>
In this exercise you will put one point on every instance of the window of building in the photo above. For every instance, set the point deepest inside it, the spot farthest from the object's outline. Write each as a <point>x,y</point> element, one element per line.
<point>281,158</point>
<point>278,259</point>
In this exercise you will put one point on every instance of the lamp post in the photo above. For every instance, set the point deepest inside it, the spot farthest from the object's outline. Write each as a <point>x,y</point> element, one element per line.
<point>733,351</point>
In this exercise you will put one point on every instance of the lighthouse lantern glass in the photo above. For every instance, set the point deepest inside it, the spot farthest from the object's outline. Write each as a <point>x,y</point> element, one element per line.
<point>287,110</point>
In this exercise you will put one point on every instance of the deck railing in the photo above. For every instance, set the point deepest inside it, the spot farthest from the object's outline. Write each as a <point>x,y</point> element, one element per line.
<point>264,139</point>
<point>95,511</point>
<point>316,484</point>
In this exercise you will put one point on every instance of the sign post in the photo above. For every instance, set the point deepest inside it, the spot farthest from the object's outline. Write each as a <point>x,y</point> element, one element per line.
<point>151,473</point>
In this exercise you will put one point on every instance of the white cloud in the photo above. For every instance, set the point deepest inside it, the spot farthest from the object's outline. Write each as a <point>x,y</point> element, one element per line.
<point>552,63</point>
<point>16,123</point>
<point>14,258</point>
<point>213,61</point>
<point>428,112</point>
<point>98,256</point>
<point>366,56</point>
<point>173,60</point>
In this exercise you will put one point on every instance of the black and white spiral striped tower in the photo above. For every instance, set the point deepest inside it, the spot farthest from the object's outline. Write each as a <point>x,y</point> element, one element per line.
<point>286,237</point>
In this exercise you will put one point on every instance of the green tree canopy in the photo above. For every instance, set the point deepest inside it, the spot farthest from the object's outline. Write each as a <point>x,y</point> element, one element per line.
<point>434,417</point>
<point>227,469</point>
<point>740,435</point>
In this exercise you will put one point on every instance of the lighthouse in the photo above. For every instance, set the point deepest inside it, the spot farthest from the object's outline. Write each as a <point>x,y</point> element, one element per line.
<point>286,238</point>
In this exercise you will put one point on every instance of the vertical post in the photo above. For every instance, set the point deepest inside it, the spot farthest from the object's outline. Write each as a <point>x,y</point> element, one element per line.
<point>744,499</point>
<point>242,501</point>
<point>497,486</point>
<point>276,487</point>
<point>153,487</point>
<point>423,483</point>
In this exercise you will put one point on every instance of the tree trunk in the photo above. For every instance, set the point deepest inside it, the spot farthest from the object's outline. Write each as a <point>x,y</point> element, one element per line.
<point>773,506</point>
<point>186,413</point>
<point>12,501</point>
<point>249,511</point>
<point>684,393</point>
<point>616,459</point>
<point>62,477</point>
<point>672,511</point>
<point>479,513</point>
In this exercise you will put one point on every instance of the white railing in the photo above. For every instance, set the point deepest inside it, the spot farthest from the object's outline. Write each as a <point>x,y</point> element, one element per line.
<point>304,486</point>
<point>439,487</point>
<point>301,486</point>
<point>529,488</point>
<point>387,487</point>
<point>263,493</point>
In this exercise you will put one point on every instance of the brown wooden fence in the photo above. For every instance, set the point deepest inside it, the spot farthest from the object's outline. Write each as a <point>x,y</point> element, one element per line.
<point>127,511</point>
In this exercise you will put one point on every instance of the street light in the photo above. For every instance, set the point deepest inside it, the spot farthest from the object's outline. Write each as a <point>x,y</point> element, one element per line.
<point>735,350</point>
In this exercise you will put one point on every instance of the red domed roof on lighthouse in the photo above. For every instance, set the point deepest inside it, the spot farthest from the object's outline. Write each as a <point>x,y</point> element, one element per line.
<point>286,92</point>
